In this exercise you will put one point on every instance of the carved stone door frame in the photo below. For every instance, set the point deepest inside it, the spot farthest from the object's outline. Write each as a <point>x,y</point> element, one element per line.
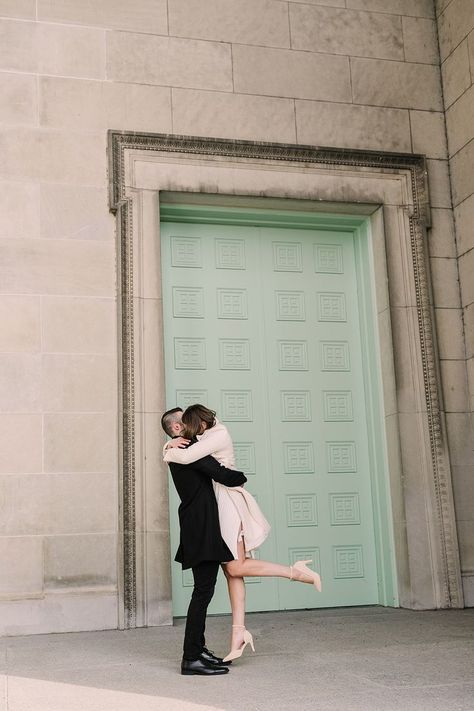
<point>390,189</point>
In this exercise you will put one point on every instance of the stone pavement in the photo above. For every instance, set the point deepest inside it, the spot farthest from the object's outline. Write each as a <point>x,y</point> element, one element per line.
<point>350,659</point>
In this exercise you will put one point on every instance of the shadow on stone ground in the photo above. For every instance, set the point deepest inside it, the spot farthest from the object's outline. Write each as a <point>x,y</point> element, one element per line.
<point>346,659</point>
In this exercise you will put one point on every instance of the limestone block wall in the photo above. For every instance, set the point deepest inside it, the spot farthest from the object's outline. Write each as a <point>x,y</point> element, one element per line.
<point>348,73</point>
<point>456,42</point>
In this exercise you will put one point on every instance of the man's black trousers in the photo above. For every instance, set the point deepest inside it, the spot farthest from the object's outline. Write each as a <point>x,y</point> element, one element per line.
<point>205,576</point>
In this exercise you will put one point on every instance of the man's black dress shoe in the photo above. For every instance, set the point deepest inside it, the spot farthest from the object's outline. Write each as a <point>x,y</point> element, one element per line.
<point>211,657</point>
<point>202,666</point>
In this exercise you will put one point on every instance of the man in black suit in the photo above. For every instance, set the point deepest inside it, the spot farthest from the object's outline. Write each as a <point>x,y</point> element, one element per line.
<point>201,545</point>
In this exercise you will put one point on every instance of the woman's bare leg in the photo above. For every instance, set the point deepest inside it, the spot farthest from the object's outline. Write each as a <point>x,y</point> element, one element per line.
<point>236,588</point>
<point>252,567</point>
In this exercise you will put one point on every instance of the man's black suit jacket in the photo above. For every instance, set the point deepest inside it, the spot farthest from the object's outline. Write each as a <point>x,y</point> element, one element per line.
<point>200,537</point>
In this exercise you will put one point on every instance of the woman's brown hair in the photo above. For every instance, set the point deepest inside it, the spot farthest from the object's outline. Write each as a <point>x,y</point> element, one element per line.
<point>193,417</point>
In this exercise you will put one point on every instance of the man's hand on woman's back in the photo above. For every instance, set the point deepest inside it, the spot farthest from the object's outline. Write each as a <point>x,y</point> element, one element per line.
<point>179,442</point>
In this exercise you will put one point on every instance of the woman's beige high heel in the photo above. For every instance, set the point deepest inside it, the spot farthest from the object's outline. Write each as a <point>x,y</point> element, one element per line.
<point>236,653</point>
<point>303,568</point>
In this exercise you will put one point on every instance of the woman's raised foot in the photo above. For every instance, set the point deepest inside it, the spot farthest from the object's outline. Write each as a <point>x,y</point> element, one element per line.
<point>301,567</point>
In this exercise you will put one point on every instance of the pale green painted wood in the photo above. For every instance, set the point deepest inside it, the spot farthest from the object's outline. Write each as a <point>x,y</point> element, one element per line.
<point>378,456</point>
<point>263,325</point>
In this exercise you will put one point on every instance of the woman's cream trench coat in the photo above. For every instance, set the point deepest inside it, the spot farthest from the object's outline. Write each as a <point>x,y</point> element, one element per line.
<point>239,514</point>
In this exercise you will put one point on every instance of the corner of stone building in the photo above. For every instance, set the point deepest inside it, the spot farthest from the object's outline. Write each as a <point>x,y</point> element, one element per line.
<point>455,30</point>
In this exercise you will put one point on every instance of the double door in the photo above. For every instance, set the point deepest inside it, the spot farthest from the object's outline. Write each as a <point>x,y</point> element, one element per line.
<point>262,325</point>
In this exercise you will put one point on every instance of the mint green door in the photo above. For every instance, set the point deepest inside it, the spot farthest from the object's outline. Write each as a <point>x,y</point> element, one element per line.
<point>262,325</point>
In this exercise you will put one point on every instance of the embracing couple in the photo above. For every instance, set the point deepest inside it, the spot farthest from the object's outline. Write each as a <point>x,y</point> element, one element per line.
<point>220,524</point>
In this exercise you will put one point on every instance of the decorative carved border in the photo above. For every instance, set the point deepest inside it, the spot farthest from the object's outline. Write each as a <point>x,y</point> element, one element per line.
<point>121,141</point>
<point>419,217</point>
<point>125,211</point>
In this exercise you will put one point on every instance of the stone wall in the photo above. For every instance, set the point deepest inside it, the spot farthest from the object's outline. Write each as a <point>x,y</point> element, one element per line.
<point>456,43</point>
<point>347,73</point>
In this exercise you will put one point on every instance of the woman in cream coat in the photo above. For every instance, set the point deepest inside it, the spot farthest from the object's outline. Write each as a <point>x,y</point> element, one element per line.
<point>243,525</point>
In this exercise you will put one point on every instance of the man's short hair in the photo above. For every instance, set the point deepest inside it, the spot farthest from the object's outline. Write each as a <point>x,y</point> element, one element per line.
<point>168,418</point>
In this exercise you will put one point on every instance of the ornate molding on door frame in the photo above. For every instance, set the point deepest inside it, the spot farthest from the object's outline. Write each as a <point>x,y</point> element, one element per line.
<point>419,219</point>
<point>127,434</point>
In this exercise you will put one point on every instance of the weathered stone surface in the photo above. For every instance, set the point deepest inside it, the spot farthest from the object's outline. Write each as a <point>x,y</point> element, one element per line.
<point>71,51</point>
<point>18,42</point>
<point>460,429</point>
<point>466,547</point>
<point>470,380</point>
<point>325,124</point>
<point>462,174</point>
<point>21,562</point>
<point>15,430</point>
<point>460,120</point>
<point>69,267</point>
<point>73,157</point>
<point>428,133</point>
<point>466,277</point>
<point>60,613</point>
<point>445,281</point>
<point>147,265</point>
<point>160,607</point>
<point>302,75</point>
<point>328,3</point>
<point>169,61</point>
<point>379,254</point>
<point>349,32</point>
<point>48,504</point>
<point>438,181</point>
<point>80,442</point>
<point>463,486</point>
<point>20,382</point>
<point>449,328</point>
<point>441,239</point>
<point>260,22</point>
<point>23,222</point>
<point>53,156</point>
<point>148,329</point>
<point>440,5</point>
<point>76,325</point>
<point>19,100</point>
<point>468,322</point>
<point>456,74</point>
<point>139,16</point>
<point>100,105</point>
<point>420,40</point>
<point>388,373</point>
<point>24,9</point>
<point>19,148</point>
<point>76,561</point>
<point>20,319</point>
<point>401,319</point>
<point>464,216</point>
<point>78,383</point>
<point>52,49</point>
<point>75,212</point>
<point>416,8</point>
<point>454,384</point>
<point>157,482</point>
<point>470,43</point>
<point>398,84</point>
<point>454,23</point>
<point>207,113</point>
